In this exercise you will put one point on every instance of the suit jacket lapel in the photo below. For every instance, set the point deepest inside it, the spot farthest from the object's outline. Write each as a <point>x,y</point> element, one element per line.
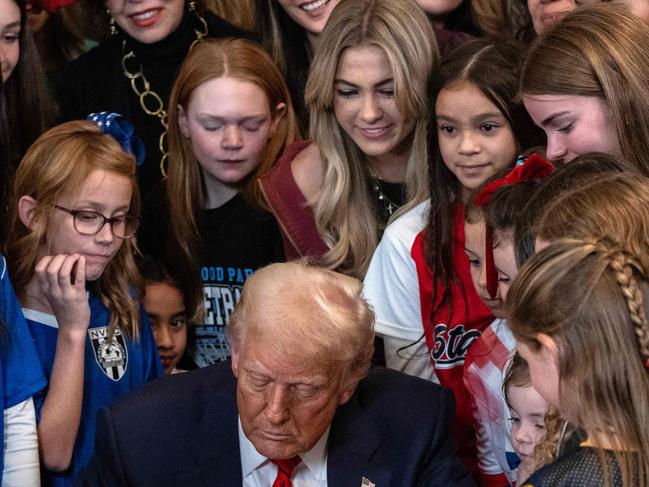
<point>353,441</point>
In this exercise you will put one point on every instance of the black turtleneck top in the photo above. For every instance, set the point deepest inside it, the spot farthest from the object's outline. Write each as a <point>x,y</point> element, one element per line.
<point>96,82</point>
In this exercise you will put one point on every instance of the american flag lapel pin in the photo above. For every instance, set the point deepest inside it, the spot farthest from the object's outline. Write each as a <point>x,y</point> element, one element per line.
<point>367,483</point>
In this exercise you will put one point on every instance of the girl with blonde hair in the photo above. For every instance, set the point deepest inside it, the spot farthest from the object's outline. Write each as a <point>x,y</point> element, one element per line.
<point>231,117</point>
<point>579,314</point>
<point>70,253</point>
<point>586,84</point>
<point>367,94</point>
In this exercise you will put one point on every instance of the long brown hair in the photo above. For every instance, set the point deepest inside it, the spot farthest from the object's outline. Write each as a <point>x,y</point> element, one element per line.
<point>55,165</point>
<point>598,51</point>
<point>492,68</point>
<point>591,299</point>
<point>209,59</point>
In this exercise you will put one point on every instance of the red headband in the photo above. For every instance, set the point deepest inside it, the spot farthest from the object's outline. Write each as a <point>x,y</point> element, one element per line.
<point>533,168</point>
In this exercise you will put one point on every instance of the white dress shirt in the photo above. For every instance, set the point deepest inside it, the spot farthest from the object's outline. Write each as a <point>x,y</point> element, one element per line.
<point>259,471</point>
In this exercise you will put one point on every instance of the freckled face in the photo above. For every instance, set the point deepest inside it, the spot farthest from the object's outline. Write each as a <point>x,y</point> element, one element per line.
<point>229,123</point>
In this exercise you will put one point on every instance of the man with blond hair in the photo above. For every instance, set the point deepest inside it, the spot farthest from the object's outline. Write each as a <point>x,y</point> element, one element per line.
<point>297,406</point>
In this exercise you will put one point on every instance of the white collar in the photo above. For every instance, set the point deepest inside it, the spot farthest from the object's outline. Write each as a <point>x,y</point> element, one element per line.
<point>315,459</point>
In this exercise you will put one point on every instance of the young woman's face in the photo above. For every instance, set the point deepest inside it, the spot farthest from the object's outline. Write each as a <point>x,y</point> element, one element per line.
<point>546,13</point>
<point>104,192</point>
<point>364,103</point>
<point>574,125</point>
<point>475,139</point>
<point>229,122</point>
<point>528,411</point>
<point>165,307</point>
<point>439,7</point>
<point>311,15</point>
<point>474,247</point>
<point>147,21</point>
<point>9,42</point>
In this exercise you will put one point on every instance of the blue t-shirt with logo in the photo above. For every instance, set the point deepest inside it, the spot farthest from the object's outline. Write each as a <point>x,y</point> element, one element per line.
<point>111,369</point>
<point>21,375</point>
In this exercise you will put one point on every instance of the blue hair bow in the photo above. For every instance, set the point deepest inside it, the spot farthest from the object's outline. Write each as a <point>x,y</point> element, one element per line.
<point>122,131</point>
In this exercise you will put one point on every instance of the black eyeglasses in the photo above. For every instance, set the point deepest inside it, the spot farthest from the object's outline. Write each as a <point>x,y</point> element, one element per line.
<point>88,222</point>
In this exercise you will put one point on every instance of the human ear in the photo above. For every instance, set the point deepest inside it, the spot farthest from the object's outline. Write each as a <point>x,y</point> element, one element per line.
<point>278,114</point>
<point>183,123</point>
<point>26,209</point>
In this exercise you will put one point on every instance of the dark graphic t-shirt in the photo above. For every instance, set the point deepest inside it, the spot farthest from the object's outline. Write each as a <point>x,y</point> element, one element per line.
<point>237,240</point>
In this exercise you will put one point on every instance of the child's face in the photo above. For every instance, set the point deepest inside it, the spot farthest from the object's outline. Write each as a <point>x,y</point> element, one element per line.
<point>528,411</point>
<point>9,42</point>
<point>574,125</point>
<point>475,139</point>
<point>166,310</point>
<point>229,122</point>
<point>505,263</point>
<point>104,192</point>
<point>474,246</point>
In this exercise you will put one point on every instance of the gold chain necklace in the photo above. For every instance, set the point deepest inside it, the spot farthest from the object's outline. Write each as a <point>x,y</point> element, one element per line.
<point>150,101</point>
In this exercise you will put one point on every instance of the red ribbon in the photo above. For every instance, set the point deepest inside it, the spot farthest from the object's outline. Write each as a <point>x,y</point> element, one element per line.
<point>534,167</point>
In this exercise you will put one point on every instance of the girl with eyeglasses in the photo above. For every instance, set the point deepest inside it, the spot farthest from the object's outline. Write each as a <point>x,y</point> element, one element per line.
<point>70,253</point>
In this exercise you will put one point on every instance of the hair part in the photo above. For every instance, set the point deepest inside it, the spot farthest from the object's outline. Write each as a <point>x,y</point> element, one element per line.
<point>235,58</point>
<point>493,69</point>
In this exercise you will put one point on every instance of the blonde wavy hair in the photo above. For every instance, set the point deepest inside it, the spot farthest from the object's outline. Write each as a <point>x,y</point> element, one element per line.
<point>590,298</point>
<point>344,214</point>
<point>598,51</point>
<point>57,164</point>
<point>236,58</point>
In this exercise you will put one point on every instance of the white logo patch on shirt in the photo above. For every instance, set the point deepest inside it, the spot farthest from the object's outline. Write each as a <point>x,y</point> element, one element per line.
<point>111,356</point>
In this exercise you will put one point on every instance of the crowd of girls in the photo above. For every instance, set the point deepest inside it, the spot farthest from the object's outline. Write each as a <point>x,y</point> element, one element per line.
<point>491,194</point>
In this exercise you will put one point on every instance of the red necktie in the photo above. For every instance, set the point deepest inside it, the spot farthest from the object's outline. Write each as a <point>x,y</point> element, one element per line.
<point>285,471</point>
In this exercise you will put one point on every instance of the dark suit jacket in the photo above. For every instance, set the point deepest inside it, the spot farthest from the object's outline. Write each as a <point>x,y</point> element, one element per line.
<point>182,431</point>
